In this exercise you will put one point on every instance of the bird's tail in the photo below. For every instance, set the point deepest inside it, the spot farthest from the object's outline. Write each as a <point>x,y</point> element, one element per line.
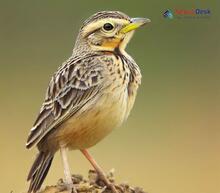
<point>39,170</point>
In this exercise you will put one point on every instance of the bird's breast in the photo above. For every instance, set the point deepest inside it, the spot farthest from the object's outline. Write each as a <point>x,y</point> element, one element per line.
<point>111,108</point>
<point>94,124</point>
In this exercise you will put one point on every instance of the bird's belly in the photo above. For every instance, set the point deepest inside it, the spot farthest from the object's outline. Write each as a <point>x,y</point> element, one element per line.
<point>88,128</point>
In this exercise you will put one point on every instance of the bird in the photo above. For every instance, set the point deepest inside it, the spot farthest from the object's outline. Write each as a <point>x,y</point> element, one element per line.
<point>89,95</point>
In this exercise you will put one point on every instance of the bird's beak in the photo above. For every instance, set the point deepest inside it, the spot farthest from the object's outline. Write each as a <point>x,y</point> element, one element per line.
<point>135,23</point>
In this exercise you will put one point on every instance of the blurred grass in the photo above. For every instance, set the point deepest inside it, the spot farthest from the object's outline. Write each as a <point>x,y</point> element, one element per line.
<point>170,143</point>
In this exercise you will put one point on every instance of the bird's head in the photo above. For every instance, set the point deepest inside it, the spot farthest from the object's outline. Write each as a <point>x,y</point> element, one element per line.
<point>108,31</point>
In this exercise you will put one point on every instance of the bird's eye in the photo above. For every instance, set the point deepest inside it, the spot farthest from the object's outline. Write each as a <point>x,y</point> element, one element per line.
<point>108,26</point>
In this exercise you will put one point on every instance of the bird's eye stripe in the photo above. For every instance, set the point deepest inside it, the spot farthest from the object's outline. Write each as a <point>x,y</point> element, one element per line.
<point>95,30</point>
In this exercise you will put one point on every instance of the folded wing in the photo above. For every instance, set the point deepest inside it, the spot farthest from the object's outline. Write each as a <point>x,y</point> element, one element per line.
<point>77,82</point>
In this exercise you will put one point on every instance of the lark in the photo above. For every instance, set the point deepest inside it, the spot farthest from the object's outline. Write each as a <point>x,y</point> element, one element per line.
<point>91,93</point>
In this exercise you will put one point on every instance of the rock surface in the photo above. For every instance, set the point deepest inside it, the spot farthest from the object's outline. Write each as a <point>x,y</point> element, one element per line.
<point>92,185</point>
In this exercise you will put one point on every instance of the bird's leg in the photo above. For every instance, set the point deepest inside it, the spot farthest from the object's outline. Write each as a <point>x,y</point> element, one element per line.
<point>99,170</point>
<point>68,178</point>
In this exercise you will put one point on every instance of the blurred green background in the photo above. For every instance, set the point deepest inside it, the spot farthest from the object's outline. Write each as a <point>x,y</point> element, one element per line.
<point>171,141</point>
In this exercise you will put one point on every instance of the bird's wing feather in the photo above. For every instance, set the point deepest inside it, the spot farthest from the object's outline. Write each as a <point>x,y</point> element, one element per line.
<point>77,82</point>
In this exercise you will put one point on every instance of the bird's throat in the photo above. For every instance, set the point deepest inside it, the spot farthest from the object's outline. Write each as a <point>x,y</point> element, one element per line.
<point>111,43</point>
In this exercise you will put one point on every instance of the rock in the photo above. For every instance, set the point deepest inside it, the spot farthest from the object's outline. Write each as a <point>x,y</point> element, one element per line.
<point>92,185</point>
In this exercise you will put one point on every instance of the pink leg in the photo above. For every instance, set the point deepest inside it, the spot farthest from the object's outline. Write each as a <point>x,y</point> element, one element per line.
<point>99,170</point>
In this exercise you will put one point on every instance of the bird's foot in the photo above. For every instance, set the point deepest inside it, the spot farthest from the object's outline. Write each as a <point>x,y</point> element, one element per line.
<point>71,188</point>
<point>107,183</point>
